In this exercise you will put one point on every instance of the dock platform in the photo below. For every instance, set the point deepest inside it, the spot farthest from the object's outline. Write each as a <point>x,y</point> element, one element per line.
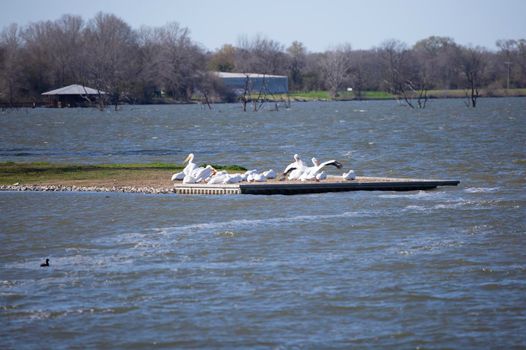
<point>332,184</point>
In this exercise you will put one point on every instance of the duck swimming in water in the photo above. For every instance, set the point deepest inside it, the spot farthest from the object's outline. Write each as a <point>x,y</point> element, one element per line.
<point>46,264</point>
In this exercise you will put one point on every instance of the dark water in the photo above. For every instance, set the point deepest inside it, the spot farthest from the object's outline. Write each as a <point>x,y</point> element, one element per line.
<point>435,269</point>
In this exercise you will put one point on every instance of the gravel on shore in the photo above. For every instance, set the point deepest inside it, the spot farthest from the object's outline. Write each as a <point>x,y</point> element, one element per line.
<point>61,188</point>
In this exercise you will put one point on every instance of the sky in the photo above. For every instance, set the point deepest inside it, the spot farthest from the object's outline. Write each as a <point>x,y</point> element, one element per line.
<point>319,25</point>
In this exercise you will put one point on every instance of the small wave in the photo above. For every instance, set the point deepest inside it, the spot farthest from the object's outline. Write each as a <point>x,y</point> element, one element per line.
<point>51,314</point>
<point>227,234</point>
<point>413,195</point>
<point>416,208</point>
<point>456,204</point>
<point>481,189</point>
<point>247,223</point>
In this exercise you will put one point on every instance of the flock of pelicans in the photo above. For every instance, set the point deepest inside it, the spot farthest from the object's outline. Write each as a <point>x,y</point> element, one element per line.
<point>296,170</point>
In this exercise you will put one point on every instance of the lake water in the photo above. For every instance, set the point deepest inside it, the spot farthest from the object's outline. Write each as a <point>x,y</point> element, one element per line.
<point>435,269</point>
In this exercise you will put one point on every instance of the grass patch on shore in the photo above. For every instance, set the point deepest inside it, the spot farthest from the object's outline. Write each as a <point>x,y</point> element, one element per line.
<point>48,173</point>
<point>322,95</point>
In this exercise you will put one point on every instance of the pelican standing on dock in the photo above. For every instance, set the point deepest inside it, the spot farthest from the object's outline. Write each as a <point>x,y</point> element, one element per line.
<point>190,167</point>
<point>295,169</point>
<point>311,173</point>
<point>188,170</point>
<point>350,175</point>
<point>203,174</point>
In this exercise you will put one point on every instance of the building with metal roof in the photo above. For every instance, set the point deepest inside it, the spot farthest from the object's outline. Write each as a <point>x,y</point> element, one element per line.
<point>73,96</point>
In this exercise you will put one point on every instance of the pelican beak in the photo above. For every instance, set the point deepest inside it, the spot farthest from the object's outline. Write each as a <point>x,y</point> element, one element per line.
<point>186,159</point>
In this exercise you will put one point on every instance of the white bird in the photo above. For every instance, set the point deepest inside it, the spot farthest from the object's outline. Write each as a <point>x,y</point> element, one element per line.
<point>191,166</point>
<point>321,176</point>
<point>218,178</point>
<point>310,173</point>
<point>259,178</point>
<point>295,169</point>
<point>350,175</point>
<point>270,174</point>
<point>189,179</point>
<point>249,174</point>
<point>234,179</point>
<point>204,173</point>
<point>178,176</point>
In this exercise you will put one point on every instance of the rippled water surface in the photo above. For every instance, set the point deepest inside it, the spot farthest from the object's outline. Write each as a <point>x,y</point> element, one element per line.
<point>435,269</point>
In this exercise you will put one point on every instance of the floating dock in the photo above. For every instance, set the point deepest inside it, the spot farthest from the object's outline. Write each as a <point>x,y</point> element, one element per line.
<point>332,184</point>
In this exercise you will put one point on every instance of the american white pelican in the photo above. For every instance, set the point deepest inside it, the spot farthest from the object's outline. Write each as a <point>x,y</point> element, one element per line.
<point>219,178</point>
<point>270,174</point>
<point>295,169</point>
<point>189,179</point>
<point>204,173</point>
<point>249,174</point>
<point>321,176</point>
<point>350,175</point>
<point>234,179</point>
<point>310,173</point>
<point>178,176</point>
<point>259,178</point>
<point>191,166</point>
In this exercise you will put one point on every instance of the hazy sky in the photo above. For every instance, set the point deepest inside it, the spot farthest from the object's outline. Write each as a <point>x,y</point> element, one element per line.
<point>318,24</point>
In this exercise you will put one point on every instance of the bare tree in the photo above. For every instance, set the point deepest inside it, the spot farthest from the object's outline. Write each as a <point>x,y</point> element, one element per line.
<point>10,64</point>
<point>437,56</point>
<point>111,56</point>
<point>260,55</point>
<point>507,48</point>
<point>336,67</point>
<point>148,82</point>
<point>178,61</point>
<point>366,71</point>
<point>472,66</point>
<point>297,62</point>
<point>397,70</point>
<point>521,61</point>
<point>37,58</point>
<point>66,47</point>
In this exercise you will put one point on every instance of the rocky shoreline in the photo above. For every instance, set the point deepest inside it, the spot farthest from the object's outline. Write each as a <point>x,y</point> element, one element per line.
<point>60,188</point>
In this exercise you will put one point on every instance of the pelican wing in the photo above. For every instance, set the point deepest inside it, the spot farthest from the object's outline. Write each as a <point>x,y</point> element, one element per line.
<point>331,162</point>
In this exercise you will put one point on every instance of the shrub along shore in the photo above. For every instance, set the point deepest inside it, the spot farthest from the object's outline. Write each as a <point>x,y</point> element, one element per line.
<point>134,178</point>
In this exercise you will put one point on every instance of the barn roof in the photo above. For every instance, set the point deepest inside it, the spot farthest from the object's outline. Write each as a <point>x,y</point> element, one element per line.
<point>74,89</point>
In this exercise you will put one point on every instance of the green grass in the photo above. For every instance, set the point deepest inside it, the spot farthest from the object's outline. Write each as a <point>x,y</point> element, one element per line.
<point>325,95</point>
<point>382,95</point>
<point>311,95</point>
<point>483,92</point>
<point>42,172</point>
<point>377,95</point>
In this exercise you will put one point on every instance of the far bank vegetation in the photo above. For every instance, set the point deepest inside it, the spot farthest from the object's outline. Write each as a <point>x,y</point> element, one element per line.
<point>164,65</point>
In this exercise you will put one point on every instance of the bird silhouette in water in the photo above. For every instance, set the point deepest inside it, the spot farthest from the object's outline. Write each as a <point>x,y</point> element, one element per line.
<point>46,264</point>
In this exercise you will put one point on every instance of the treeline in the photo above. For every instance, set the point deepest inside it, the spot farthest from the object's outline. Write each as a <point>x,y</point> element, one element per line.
<point>164,64</point>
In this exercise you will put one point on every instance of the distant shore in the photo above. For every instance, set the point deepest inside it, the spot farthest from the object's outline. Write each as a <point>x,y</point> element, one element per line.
<point>324,96</point>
